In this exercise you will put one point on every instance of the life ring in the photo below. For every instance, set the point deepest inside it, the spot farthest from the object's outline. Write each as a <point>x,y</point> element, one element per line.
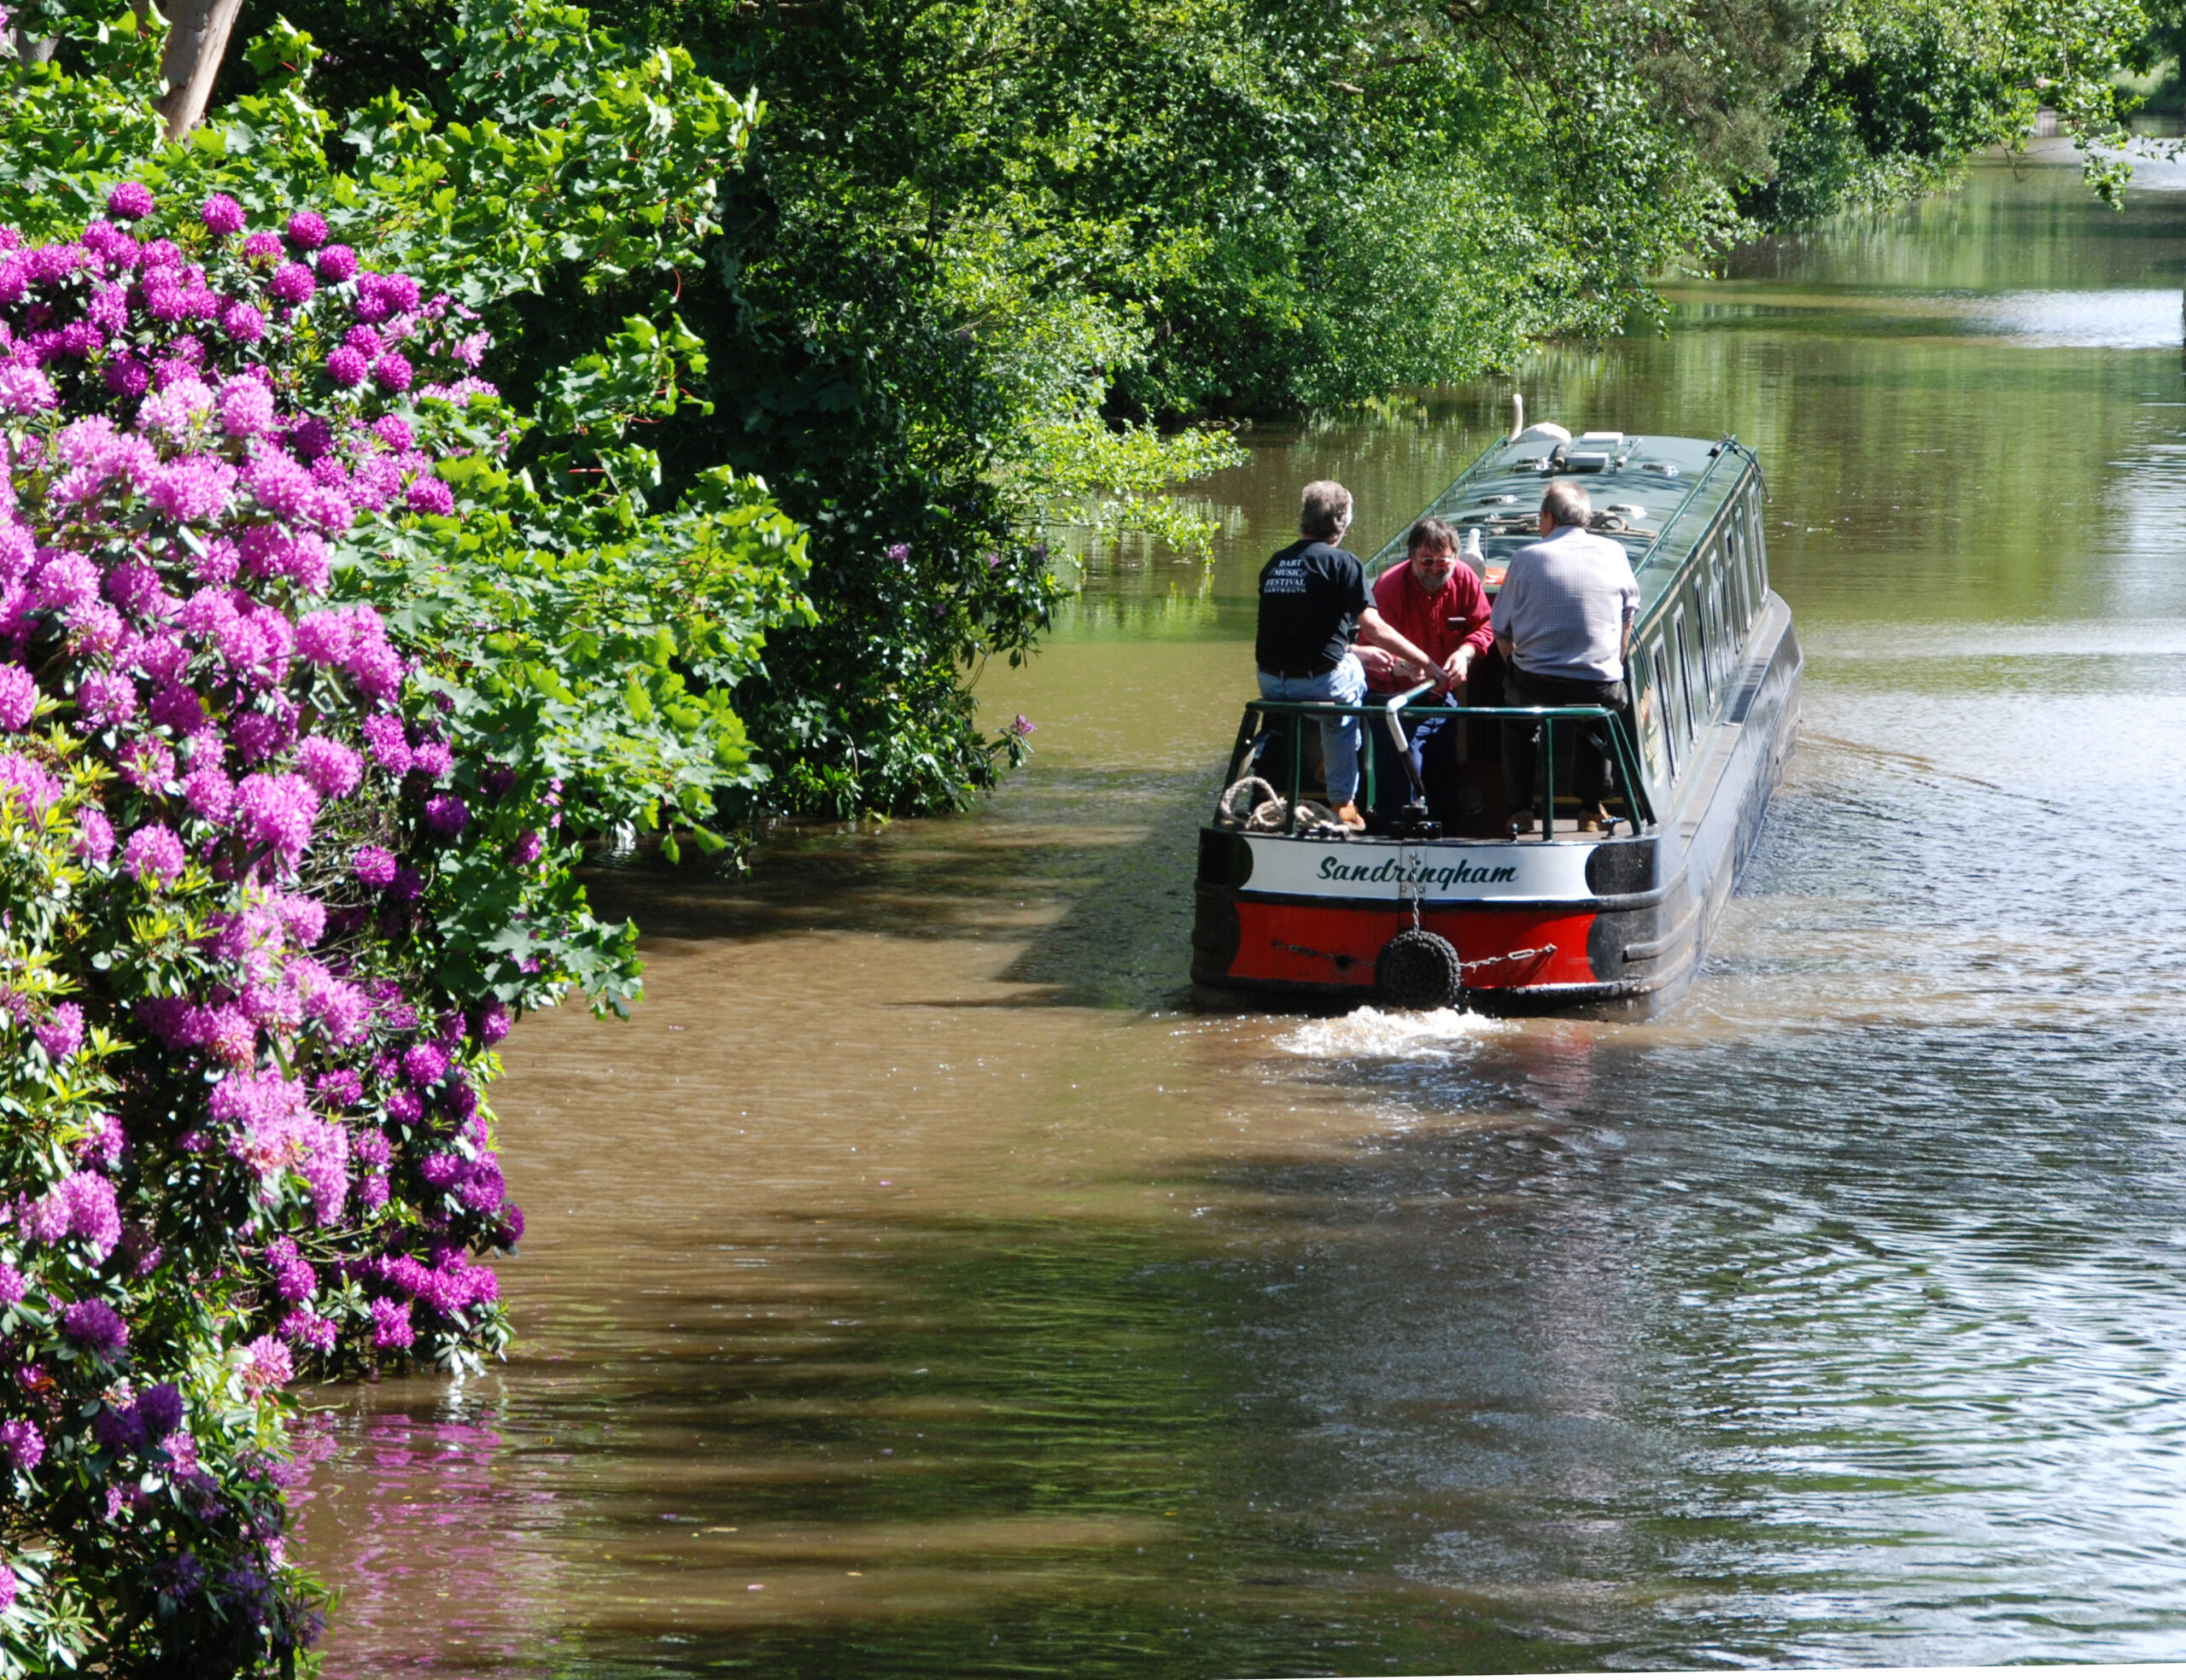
<point>1419,970</point>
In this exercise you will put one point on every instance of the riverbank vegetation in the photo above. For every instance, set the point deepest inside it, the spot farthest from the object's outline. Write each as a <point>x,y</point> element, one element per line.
<point>490,433</point>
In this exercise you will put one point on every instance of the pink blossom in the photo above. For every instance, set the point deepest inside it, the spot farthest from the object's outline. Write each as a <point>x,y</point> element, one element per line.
<point>222,215</point>
<point>278,812</point>
<point>65,581</point>
<point>391,1326</point>
<point>152,854</point>
<point>446,815</point>
<point>106,698</point>
<point>306,1329</point>
<point>343,1009</point>
<point>193,489</point>
<point>18,696</point>
<point>130,200</point>
<point>106,1145</point>
<point>278,482</point>
<point>24,1447</point>
<point>384,736</point>
<point>346,367</point>
<point>98,1327</point>
<point>180,710</point>
<point>29,781</point>
<point>95,629</point>
<point>134,587</point>
<point>328,766</point>
<point>307,230</point>
<point>149,766</point>
<point>209,793</point>
<point>175,410</point>
<point>246,408</point>
<point>24,390</point>
<point>94,1213</point>
<point>242,323</point>
<point>94,835</point>
<point>335,264</point>
<point>292,283</point>
<point>127,376</point>
<point>264,1364</point>
<point>61,1034</point>
<point>441,1171</point>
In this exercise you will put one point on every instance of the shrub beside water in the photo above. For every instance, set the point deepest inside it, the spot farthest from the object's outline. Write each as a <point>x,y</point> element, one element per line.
<point>279,869</point>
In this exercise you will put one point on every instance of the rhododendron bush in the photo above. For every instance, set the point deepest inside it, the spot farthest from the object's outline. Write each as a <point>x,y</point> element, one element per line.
<point>301,731</point>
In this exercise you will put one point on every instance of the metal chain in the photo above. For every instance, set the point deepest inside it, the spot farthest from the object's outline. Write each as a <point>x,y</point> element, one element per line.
<point>1509,956</point>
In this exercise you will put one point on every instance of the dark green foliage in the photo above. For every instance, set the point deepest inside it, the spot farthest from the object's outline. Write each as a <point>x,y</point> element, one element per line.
<point>1898,93</point>
<point>965,229</point>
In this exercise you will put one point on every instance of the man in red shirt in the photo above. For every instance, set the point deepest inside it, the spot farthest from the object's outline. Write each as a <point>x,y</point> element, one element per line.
<point>1437,603</point>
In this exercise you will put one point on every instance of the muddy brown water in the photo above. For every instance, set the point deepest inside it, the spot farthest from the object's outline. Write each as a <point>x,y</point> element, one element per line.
<point>917,1288</point>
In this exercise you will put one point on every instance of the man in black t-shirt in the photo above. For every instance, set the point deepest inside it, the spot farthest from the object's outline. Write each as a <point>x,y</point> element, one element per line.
<point>1312,595</point>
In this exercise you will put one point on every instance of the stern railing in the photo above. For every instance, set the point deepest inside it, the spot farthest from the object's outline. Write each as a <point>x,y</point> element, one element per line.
<point>1630,784</point>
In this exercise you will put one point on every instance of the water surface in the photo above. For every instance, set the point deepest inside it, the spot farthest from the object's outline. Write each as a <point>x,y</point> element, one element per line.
<point>917,1288</point>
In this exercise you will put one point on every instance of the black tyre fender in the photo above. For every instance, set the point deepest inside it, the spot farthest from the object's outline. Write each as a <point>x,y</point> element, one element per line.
<point>1419,970</point>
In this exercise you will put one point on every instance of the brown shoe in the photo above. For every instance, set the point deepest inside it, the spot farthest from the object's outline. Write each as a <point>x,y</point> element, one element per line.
<point>1348,814</point>
<point>1522,825</point>
<point>1593,822</point>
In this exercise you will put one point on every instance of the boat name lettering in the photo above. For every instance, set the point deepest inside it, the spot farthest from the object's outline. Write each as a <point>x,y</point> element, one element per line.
<point>1333,868</point>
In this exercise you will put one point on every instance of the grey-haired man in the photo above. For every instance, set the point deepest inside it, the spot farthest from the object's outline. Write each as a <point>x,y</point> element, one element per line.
<point>1564,621</point>
<point>1312,595</point>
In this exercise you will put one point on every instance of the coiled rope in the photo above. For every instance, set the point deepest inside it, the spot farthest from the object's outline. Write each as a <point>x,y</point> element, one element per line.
<point>1252,804</point>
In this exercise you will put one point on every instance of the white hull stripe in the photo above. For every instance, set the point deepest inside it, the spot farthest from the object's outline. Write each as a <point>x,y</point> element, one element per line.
<point>1439,871</point>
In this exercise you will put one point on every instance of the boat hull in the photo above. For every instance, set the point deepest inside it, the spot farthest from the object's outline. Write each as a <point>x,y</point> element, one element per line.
<point>1614,926</point>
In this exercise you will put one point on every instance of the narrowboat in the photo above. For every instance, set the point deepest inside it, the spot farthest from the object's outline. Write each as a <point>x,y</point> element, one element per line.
<point>1442,901</point>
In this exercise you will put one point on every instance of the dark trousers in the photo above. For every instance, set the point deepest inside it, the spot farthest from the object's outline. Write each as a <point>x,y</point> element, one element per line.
<point>1582,759</point>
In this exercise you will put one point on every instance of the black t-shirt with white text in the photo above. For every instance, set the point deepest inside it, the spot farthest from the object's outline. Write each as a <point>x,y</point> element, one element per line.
<point>1312,594</point>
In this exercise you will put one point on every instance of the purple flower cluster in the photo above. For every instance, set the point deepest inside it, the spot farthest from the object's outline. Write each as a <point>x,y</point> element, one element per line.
<point>274,1103</point>
<point>176,476</point>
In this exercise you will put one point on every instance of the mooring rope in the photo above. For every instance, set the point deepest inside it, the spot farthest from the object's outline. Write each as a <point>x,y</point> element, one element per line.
<point>1252,803</point>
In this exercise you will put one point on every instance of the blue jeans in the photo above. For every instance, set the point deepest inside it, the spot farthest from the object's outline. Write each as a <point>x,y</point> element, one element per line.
<point>1347,686</point>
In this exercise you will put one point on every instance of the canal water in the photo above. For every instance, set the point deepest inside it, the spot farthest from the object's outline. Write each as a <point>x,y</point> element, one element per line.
<point>916,1286</point>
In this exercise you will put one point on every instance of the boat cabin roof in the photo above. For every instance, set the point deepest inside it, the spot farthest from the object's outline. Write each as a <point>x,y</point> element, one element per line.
<point>1659,494</point>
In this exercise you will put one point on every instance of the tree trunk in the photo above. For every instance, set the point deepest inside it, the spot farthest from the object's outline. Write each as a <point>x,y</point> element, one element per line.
<point>197,40</point>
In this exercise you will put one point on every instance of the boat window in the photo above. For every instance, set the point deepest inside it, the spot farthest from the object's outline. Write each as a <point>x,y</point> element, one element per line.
<point>1719,642</point>
<point>1648,706</point>
<point>1691,710</point>
<point>1735,592</point>
<point>1756,552</point>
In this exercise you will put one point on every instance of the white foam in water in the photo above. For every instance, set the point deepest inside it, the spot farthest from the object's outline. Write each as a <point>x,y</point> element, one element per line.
<point>1367,1031</point>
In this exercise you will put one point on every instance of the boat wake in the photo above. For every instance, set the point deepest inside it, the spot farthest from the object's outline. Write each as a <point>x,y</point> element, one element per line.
<point>1367,1031</point>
